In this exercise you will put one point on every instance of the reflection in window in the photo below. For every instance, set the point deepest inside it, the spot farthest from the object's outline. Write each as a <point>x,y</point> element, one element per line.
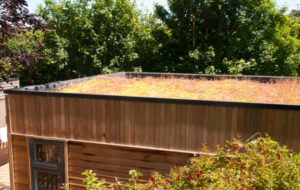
<point>48,153</point>
<point>47,181</point>
<point>47,164</point>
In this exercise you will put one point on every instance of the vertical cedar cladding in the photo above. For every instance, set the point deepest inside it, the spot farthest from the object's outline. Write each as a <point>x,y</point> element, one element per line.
<point>151,124</point>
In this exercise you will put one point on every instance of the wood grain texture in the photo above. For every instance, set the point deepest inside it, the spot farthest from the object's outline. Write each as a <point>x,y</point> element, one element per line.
<point>113,161</point>
<point>20,166</point>
<point>150,124</point>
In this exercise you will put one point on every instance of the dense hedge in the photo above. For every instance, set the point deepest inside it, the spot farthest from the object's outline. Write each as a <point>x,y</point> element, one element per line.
<point>259,164</point>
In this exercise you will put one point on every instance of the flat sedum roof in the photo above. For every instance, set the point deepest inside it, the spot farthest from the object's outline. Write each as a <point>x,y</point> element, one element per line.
<point>281,90</point>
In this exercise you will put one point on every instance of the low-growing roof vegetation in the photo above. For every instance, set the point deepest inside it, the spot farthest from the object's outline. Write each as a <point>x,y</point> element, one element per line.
<point>281,91</point>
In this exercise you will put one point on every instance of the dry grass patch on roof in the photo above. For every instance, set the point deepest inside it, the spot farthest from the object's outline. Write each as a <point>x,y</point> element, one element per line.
<point>283,91</point>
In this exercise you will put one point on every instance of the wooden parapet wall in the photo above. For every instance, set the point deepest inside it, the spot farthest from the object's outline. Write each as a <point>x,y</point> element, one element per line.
<point>115,161</point>
<point>168,125</point>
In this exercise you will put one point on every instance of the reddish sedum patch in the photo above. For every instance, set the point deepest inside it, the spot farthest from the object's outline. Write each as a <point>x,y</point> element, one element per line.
<point>283,91</point>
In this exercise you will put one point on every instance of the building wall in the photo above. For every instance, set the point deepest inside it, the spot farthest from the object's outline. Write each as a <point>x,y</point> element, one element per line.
<point>20,166</point>
<point>148,124</point>
<point>108,161</point>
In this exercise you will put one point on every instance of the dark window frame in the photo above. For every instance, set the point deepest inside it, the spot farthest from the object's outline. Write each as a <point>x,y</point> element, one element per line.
<point>35,165</point>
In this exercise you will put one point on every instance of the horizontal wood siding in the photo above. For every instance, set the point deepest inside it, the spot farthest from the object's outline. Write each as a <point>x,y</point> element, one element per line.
<point>151,124</point>
<point>21,173</point>
<point>113,161</point>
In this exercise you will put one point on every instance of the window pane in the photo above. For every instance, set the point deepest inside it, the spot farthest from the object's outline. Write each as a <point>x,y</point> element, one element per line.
<point>48,154</point>
<point>47,181</point>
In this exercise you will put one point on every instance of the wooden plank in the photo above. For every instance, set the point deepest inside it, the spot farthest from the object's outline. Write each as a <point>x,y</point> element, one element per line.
<point>85,118</point>
<point>177,143</point>
<point>11,158</point>
<point>137,154</point>
<point>148,124</point>
<point>129,160</point>
<point>198,115</point>
<point>21,186</point>
<point>210,122</point>
<point>150,121</point>
<point>37,114</point>
<point>72,117</point>
<point>170,118</point>
<point>21,111</point>
<point>131,118</point>
<point>49,114</point>
<point>109,120</point>
<point>66,157</point>
<point>93,121</point>
<point>108,161</point>
<point>139,123</point>
<point>221,125</point>
<point>62,117</point>
<point>29,115</point>
<point>115,121</point>
<point>103,132</point>
<point>75,120</point>
<point>57,117</point>
<point>21,166</point>
<point>100,121</point>
<point>122,123</point>
<point>193,135</point>
<point>43,122</point>
<point>67,105</point>
<point>161,125</point>
<point>28,163</point>
<point>294,136</point>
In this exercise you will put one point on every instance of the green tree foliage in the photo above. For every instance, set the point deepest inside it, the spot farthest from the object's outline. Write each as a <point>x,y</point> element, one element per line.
<point>88,37</point>
<point>15,19</point>
<point>258,164</point>
<point>247,37</point>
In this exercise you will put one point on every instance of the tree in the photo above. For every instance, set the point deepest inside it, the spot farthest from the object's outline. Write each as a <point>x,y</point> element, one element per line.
<point>14,20</point>
<point>87,38</point>
<point>294,13</point>
<point>226,37</point>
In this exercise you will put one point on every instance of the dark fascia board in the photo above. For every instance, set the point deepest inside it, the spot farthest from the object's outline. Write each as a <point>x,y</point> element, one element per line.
<point>49,90</point>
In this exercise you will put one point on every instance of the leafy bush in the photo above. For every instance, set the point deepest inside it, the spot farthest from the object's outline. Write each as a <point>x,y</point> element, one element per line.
<point>259,164</point>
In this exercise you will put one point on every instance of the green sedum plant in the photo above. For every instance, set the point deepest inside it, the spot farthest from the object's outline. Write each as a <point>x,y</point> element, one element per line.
<point>260,164</point>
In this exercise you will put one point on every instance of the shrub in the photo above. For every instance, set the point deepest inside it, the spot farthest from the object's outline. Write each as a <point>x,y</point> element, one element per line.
<point>259,164</point>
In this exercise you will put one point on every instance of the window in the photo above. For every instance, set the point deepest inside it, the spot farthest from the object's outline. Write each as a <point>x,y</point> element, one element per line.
<point>47,164</point>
